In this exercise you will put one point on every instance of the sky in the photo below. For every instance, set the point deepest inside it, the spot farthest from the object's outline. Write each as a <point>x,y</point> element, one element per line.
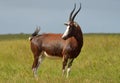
<point>23,16</point>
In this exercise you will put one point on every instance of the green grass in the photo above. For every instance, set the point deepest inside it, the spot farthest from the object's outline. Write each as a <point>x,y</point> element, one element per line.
<point>99,61</point>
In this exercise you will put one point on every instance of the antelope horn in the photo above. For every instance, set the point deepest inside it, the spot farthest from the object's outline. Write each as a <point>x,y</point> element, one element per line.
<point>76,13</point>
<point>70,18</point>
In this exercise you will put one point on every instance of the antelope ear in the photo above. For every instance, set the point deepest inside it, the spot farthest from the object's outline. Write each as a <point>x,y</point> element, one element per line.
<point>66,24</point>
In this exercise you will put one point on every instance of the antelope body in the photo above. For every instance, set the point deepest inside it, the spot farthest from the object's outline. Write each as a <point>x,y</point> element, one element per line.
<point>67,45</point>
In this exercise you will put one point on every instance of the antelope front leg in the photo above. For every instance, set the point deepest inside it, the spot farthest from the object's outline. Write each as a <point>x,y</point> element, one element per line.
<point>69,66</point>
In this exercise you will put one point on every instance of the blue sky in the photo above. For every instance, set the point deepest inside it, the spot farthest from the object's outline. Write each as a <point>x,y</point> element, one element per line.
<point>22,16</point>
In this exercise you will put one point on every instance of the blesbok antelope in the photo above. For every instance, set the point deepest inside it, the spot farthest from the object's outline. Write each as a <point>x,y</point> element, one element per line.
<point>67,45</point>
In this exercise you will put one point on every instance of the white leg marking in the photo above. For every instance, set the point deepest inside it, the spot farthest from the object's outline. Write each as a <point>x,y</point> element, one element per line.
<point>63,72</point>
<point>35,72</point>
<point>41,58</point>
<point>68,71</point>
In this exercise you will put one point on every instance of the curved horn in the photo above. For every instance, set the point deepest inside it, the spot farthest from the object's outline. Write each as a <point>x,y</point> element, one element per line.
<point>76,13</point>
<point>70,18</point>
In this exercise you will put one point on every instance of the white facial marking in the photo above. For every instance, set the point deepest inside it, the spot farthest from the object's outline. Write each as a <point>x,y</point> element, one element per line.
<point>66,32</point>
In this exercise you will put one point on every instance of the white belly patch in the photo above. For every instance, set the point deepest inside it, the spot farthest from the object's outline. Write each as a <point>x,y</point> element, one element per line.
<point>50,56</point>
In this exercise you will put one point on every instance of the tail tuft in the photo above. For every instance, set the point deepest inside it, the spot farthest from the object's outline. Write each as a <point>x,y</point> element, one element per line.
<point>35,33</point>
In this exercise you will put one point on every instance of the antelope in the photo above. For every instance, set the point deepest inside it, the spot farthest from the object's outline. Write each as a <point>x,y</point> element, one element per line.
<point>66,46</point>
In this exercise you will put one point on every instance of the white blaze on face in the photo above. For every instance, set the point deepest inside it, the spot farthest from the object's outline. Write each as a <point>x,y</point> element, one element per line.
<point>66,32</point>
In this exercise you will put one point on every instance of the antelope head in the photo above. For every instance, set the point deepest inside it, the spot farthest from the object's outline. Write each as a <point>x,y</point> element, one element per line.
<point>72,26</point>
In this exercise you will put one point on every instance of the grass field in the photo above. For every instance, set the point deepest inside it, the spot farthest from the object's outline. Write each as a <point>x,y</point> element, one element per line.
<point>99,61</point>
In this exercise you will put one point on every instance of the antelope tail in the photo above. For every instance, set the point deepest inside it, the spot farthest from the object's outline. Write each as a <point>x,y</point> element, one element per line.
<point>35,33</point>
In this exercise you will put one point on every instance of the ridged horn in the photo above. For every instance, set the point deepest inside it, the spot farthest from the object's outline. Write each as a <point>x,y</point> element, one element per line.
<point>70,18</point>
<point>76,13</point>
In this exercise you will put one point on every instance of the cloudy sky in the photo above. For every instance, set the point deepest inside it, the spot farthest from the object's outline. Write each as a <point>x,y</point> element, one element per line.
<point>22,16</point>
